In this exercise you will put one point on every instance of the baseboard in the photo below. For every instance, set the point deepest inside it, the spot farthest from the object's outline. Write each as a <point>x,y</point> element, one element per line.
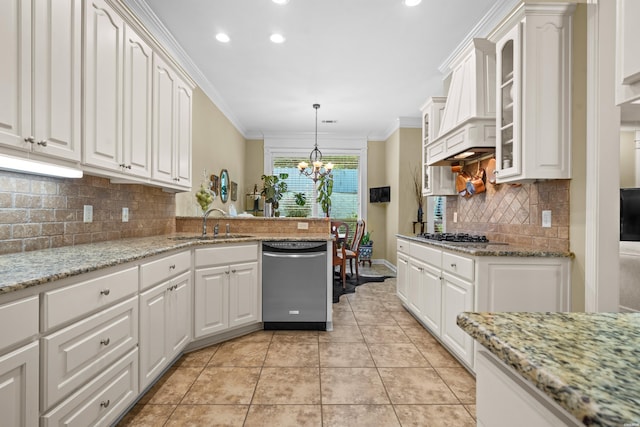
<point>624,309</point>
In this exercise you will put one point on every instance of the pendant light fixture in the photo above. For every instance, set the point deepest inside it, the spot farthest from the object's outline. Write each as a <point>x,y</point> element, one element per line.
<point>317,169</point>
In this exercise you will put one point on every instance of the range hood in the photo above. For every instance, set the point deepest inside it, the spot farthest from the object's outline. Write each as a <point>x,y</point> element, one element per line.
<point>468,127</point>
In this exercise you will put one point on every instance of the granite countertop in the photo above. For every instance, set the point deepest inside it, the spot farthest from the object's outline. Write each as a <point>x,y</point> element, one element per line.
<point>27,269</point>
<point>588,363</point>
<point>488,249</point>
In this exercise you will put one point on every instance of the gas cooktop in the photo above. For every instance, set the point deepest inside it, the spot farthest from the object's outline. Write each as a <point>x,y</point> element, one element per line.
<point>455,237</point>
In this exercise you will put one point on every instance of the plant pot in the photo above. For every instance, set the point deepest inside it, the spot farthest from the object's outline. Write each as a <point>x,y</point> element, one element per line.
<point>365,252</point>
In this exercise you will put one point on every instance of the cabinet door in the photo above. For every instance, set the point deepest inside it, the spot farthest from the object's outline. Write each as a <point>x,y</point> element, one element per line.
<point>137,105</point>
<point>179,314</point>
<point>243,294</point>
<point>403,277</point>
<point>15,73</point>
<point>57,78</point>
<point>104,33</point>
<point>211,301</point>
<point>457,297</point>
<point>431,307</point>
<point>164,92</point>
<point>627,51</point>
<point>414,287</point>
<point>183,134</point>
<point>19,386</point>
<point>153,333</point>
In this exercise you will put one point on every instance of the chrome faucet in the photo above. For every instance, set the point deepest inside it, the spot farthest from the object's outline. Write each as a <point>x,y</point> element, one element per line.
<point>204,218</point>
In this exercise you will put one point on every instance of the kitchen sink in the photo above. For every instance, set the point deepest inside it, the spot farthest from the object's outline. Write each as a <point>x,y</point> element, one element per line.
<point>211,237</point>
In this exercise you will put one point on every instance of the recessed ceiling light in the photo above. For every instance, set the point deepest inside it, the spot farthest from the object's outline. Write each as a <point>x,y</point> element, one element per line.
<point>222,38</point>
<point>277,38</point>
<point>411,3</point>
<point>280,1</point>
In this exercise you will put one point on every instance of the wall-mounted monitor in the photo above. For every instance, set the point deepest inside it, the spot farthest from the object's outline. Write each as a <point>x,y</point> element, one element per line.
<point>379,194</point>
<point>630,214</point>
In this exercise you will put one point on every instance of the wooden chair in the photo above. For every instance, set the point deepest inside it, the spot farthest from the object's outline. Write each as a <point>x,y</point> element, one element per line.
<point>340,259</point>
<point>341,231</point>
<point>354,251</point>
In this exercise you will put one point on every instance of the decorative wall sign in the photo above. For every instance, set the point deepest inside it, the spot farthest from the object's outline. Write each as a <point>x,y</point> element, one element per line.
<point>234,191</point>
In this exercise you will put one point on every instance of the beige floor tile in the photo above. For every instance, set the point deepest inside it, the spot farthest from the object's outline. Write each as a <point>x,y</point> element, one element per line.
<point>374,318</point>
<point>416,386</point>
<point>147,416</point>
<point>221,385</point>
<point>345,355</point>
<point>343,305</point>
<point>344,317</point>
<point>292,354</point>
<point>171,388</point>
<point>359,386</point>
<point>417,332</point>
<point>434,416</point>
<point>342,333</point>
<point>461,382</point>
<point>359,416</point>
<point>198,358</point>
<point>284,416</point>
<point>309,337</point>
<point>404,319</point>
<point>240,354</point>
<point>366,305</point>
<point>257,336</point>
<point>383,334</point>
<point>393,304</point>
<point>288,386</point>
<point>397,356</point>
<point>438,356</point>
<point>472,410</point>
<point>208,415</point>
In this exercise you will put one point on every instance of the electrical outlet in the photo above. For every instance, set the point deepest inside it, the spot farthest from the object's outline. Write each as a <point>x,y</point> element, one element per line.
<point>546,219</point>
<point>455,217</point>
<point>125,214</point>
<point>88,213</point>
<point>303,226</point>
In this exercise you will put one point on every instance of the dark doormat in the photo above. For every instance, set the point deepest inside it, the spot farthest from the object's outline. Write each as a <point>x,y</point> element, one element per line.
<point>352,284</point>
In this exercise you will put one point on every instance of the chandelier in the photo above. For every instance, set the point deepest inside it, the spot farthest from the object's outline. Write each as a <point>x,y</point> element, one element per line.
<point>317,169</point>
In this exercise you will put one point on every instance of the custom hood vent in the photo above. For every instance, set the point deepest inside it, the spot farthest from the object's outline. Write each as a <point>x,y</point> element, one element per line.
<point>468,127</point>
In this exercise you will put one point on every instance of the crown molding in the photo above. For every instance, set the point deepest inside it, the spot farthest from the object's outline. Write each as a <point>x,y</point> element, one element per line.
<point>157,29</point>
<point>400,122</point>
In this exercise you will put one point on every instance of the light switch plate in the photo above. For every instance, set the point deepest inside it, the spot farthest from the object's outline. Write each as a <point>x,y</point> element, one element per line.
<point>303,226</point>
<point>88,213</point>
<point>546,219</point>
<point>125,214</point>
<point>455,217</point>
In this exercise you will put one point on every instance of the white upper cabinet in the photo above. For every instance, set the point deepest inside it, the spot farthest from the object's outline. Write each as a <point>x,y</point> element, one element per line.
<point>533,61</point>
<point>117,94</point>
<point>436,180</point>
<point>40,78</point>
<point>627,51</point>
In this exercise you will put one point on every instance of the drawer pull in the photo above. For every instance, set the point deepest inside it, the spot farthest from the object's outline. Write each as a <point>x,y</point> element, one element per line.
<point>105,342</point>
<point>174,287</point>
<point>233,271</point>
<point>105,403</point>
<point>453,265</point>
<point>105,292</point>
<point>226,272</point>
<point>172,267</point>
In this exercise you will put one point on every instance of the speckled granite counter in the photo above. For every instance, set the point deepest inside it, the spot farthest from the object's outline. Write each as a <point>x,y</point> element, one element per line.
<point>26,269</point>
<point>488,249</point>
<point>588,363</point>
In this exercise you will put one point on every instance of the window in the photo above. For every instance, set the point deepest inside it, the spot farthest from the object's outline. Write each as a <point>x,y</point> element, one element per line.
<point>345,200</point>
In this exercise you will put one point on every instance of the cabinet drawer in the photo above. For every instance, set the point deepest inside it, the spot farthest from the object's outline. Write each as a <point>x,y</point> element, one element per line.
<point>22,315</point>
<point>163,269</point>
<point>102,400</point>
<point>76,353</point>
<point>402,246</point>
<point>70,302</point>
<point>226,254</point>
<point>426,254</point>
<point>458,265</point>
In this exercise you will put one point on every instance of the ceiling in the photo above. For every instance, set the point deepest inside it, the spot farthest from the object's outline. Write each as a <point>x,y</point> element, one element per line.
<point>370,64</point>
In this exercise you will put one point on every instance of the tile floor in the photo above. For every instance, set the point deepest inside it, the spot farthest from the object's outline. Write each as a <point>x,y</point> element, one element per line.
<point>378,367</point>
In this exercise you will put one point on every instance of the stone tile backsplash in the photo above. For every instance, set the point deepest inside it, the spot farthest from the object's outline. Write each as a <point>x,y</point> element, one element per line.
<point>513,214</point>
<point>39,212</point>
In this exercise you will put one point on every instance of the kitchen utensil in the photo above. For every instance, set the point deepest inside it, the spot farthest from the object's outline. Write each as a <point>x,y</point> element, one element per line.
<point>491,171</point>
<point>476,184</point>
<point>461,183</point>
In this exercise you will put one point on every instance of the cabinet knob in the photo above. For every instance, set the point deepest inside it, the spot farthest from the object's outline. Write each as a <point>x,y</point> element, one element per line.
<point>226,272</point>
<point>233,271</point>
<point>105,342</point>
<point>42,143</point>
<point>175,287</point>
<point>128,167</point>
<point>105,403</point>
<point>105,292</point>
<point>30,140</point>
<point>453,265</point>
<point>172,267</point>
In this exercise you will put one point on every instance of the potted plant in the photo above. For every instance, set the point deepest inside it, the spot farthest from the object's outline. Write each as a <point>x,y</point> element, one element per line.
<point>366,248</point>
<point>273,189</point>
<point>302,210</point>
<point>325,189</point>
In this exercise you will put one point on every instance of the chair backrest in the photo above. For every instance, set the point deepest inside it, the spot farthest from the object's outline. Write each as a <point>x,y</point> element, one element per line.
<point>357,237</point>
<point>340,230</point>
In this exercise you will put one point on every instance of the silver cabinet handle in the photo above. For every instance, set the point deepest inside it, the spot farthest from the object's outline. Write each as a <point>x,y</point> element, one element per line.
<point>30,140</point>
<point>105,292</point>
<point>175,287</point>
<point>105,342</point>
<point>42,143</point>
<point>105,403</point>
<point>226,272</point>
<point>172,267</point>
<point>233,271</point>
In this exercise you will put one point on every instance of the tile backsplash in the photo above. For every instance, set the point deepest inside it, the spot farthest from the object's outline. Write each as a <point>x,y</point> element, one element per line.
<point>513,214</point>
<point>39,212</point>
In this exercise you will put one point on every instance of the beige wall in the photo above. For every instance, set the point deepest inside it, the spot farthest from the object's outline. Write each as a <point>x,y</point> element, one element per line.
<point>627,159</point>
<point>377,212</point>
<point>253,167</point>
<point>392,159</point>
<point>217,145</point>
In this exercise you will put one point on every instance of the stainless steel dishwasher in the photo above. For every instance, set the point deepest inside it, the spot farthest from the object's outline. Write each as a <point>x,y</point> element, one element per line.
<point>294,285</point>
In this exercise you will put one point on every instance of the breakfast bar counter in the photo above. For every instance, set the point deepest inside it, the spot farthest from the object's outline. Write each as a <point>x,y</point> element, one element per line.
<point>586,363</point>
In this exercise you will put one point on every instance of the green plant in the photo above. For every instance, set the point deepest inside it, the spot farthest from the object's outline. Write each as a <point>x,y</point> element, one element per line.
<point>300,198</point>
<point>366,238</point>
<point>274,187</point>
<point>298,213</point>
<point>325,189</point>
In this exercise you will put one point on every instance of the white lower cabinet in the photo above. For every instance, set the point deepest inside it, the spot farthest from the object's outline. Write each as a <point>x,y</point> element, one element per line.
<point>436,285</point>
<point>165,325</point>
<point>19,386</point>
<point>102,400</point>
<point>227,291</point>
